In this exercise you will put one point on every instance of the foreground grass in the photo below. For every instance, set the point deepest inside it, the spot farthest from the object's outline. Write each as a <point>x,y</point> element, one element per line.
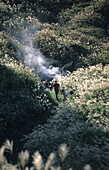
<point>37,162</point>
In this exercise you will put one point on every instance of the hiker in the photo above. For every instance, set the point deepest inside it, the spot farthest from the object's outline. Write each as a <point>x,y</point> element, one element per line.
<point>56,89</point>
<point>71,92</point>
<point>50,86</point>
<point>46,84</point>
<point>64,94</point>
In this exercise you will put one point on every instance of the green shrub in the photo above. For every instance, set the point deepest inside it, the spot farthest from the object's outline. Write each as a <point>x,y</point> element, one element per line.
<point>22,94</point>
<point>78,36</point>
<point>86,144</point>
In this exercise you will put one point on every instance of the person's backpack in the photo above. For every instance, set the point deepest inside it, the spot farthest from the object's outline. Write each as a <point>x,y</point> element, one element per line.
<point>66,94</point>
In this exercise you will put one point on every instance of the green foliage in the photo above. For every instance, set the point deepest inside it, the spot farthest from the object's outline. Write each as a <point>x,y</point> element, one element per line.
<point>78,36</point>
<point>60,48</point>
<point>91,87</point>
<point>102,7</point>
<point>22,94</point>
<point>86,144</point>
<point>82,121</point>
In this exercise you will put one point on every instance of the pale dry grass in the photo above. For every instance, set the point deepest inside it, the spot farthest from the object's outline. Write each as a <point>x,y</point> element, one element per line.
<point>37,159</point>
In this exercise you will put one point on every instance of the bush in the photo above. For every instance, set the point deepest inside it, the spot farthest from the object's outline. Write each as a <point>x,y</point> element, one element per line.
<point>86,144</point>
<point>22,94</point>
<point>82,122</point>
<point>78,36</point>
<point>91,91</point>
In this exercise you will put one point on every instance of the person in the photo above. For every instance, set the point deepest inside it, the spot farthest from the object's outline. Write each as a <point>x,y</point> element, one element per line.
<point>46,84</point>
<point>50,86</point>
<point>71,92</point>
<point>56,88</point>
<point>64,94</point>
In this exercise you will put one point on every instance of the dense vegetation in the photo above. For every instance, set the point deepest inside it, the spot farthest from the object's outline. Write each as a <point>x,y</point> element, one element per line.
<point>82,122</point>
<point>24,100</point>
<point>74,32</point>
<point>80,35</point>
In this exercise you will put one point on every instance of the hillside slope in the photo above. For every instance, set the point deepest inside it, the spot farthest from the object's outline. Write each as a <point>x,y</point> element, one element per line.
<point>82,122</point>
<point>80,34</point>
<point>24,101</point>
<point>71,31</point>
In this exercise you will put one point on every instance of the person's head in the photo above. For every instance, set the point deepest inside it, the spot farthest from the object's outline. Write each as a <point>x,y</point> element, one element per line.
<point>55,81</point>
<point>71,92</point>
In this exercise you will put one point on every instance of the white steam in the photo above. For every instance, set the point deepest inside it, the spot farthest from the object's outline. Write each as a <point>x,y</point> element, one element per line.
<point>35,59</point>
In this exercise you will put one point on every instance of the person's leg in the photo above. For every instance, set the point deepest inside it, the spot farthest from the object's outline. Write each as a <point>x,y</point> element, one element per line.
<point>56,92</point>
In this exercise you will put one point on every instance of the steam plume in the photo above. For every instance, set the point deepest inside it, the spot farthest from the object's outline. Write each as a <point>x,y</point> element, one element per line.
<point>35,59</point>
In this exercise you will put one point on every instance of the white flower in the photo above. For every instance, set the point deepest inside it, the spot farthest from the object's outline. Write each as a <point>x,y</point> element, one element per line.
<point>63,151</point>
<point>87,167</point>
<point>37,161</point>
<point>50,161</point>
<point>23,157</point>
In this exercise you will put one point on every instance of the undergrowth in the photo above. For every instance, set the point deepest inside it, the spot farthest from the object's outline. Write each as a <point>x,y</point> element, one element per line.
<point>82,121</point>
<point>23,96</point>
<point>78,36</point>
